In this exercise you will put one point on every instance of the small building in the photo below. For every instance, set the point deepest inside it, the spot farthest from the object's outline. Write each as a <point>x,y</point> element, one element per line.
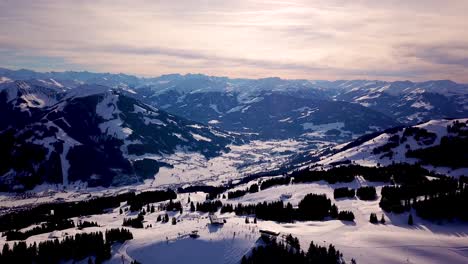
<point>214,220</point>
<point>194,234</point>
<point>268,235</point>
<point>285,196</point>
<point>55,234</point>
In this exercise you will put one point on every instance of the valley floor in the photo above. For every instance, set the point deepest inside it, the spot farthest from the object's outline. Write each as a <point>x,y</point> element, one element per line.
<point>188,169</point>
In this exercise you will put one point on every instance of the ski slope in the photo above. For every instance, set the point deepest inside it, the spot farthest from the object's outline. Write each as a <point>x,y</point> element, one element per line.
<point>392,242</point>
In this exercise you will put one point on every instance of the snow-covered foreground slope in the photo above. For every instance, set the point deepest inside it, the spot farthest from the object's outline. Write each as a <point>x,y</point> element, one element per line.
<point>367,153</point>
<point>392,242</point>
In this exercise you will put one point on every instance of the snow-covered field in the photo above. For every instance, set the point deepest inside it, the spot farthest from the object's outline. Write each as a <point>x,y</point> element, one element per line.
<point>392,242</point>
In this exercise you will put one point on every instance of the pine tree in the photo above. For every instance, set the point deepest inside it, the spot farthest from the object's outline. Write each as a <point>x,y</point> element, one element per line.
<point>244,260</point>
<point>382,220</point>
<point>148,208</point>
<point>152,209</point>
<point>373,218</point>
<point>192,207</point>
<point>410,219</point>
<point>334,211</point>
<point>247,220</point>
<point>120,211</point>
<point>255,220</point>
<point>174,221</point>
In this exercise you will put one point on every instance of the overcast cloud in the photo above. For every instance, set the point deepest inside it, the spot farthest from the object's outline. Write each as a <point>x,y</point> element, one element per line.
<point>416,40</point>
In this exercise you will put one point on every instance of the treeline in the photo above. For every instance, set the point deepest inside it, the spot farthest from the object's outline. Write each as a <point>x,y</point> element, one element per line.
<point>172,206</point>
<point>366,193</point>
<point>134,222</point>
<point>346,216</point>
<point>43,212</point>
<point>274,181</point>
<point>65,210</point>
<point>118,235</point>
<point>137,202</point>
<point>72,248</point>
<point>43,228</point>
<point>399,199</point>
<point>344,193</point>
<point>451,205</point>
<point>437,199</point>
<point>395,173</point>
<point>279,253</point>
<point>85,224</point>
<point>208,206</point>
<point>239,193</point>
<point>451,152</point>
<point>311,208</point>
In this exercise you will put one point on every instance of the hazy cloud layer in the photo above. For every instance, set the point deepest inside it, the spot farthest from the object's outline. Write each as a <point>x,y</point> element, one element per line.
<point>292,39</point>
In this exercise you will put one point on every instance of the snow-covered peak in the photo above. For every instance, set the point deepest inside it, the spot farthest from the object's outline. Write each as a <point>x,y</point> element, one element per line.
<point>5,79</point>
<point>397,88</point>
<point>87,90</point>
<point>28,95</point>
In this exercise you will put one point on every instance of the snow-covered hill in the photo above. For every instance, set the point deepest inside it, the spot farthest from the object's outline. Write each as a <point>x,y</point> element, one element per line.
<point>438,144</point>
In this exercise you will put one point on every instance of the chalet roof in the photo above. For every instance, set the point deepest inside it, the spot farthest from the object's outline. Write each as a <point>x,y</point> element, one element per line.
<point>268,232</point>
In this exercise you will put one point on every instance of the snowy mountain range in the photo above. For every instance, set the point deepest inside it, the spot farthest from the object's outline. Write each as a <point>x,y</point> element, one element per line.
<point>102,128</point>
<point>208,98</point>
<point>92,133</point>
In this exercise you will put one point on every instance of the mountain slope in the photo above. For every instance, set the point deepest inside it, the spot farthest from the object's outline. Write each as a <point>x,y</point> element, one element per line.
<point>440,144</point>
<point>273,115</point>
<point>93,134</point>
<point>406,101</point>
<point>269,108</point>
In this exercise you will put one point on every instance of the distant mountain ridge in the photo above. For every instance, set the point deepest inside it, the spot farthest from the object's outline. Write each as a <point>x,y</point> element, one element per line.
<point>206,97</point>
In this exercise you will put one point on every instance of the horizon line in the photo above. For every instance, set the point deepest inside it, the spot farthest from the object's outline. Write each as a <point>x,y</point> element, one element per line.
<point>219,76</point>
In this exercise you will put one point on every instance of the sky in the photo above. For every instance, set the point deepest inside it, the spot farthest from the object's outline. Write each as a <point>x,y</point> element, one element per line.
<point>333,39</point>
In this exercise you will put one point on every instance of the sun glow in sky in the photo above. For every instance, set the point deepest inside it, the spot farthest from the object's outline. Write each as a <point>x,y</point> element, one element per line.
<point>415,40</point>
